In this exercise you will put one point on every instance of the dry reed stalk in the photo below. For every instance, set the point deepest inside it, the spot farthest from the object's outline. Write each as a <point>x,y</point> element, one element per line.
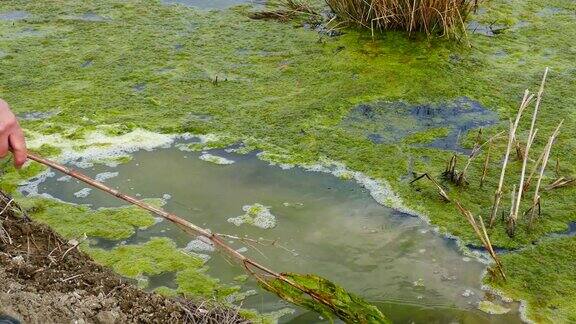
<point>445,17</point>
<point>249,264</point>
<point>546,156</point>
<point>513,218</point>
<point>534,169</point>
<point>482,235</point>
<point>560,183</point>
<point>450,172</point>
<point>441,191</point>
<point>461,179</point>
<point>485,166</point>
<point>511,138</point>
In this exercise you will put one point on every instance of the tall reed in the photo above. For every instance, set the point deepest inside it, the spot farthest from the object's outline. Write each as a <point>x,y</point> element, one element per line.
<point>442,17</point>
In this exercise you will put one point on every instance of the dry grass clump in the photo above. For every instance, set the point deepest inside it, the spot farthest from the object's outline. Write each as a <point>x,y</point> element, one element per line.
<point>443,17</point>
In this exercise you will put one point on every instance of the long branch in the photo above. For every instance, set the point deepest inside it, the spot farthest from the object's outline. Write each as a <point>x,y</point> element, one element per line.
<point>214,238</point>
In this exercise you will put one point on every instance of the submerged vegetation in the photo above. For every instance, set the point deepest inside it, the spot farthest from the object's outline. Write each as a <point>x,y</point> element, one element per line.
<point>286,90</point>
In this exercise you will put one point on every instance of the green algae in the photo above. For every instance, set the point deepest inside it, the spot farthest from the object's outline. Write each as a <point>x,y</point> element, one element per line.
<point>151,258</point>
<point>257,215</point>
<point>285,90</point>
<point>73,221</point>
<point>543,275</point>
<point>160,255</point>
<point>490,308</point>
<point>338,302</point>
<point>427,136</point>
<point>12,177</point>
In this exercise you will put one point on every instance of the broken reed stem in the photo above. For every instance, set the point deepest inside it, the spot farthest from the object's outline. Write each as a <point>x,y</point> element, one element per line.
<point>534,169</point>
<point>513,218</point>
<point>475,152</point>
<point>511,138</point>
<point>189,227</point>
<point>441,191</point>
<point>546,156</point>
<point>560,182</point>
<point>482,235</point>
<point>485,167</point>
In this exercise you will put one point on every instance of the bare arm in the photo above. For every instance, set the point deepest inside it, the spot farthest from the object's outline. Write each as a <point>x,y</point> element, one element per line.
<point>11,135</point>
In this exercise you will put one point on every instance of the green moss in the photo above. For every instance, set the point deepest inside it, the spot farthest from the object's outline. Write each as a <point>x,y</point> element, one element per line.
<point>72,221</point>
<point>544,276</point>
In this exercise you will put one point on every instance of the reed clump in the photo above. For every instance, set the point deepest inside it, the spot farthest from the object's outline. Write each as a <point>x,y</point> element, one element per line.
<point>433,17</point>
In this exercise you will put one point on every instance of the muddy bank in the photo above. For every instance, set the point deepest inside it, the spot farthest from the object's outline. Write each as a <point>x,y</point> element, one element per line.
<point>44,278</point>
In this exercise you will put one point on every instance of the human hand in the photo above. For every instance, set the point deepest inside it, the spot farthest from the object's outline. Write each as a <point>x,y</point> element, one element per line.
<point>11,136</point>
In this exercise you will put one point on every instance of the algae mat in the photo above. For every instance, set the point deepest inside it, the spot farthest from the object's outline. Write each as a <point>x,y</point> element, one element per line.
<point>287,90</point>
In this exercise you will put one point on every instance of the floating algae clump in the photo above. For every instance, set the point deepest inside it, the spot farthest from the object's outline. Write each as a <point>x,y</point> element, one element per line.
<point>257,215</point>
<point>73,221</point>
<point>346,306</point>
<point>215,159</point>
<point>160,255</point>
<point>489,307</point>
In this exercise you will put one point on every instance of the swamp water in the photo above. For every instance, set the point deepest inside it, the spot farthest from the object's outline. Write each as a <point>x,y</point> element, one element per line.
<point>331,226</point>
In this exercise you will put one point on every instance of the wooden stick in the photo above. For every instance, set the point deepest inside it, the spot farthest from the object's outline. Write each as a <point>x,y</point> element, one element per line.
<point>186,225</point>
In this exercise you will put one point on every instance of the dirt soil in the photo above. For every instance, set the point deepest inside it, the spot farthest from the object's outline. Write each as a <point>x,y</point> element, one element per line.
<point>45,279</point>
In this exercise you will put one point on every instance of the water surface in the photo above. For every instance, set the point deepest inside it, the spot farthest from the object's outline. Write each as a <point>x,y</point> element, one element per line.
<point>333,228</point>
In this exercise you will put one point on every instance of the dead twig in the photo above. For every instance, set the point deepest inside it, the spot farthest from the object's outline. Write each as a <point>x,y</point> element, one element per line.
<point>561,183</point>
<point>441,191</point>
<point>461,179</point>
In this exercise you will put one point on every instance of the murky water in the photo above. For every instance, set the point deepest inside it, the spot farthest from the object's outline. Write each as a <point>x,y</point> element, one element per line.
<point>390,122</point>
<point>333,226</point>
<point>14,15</point>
